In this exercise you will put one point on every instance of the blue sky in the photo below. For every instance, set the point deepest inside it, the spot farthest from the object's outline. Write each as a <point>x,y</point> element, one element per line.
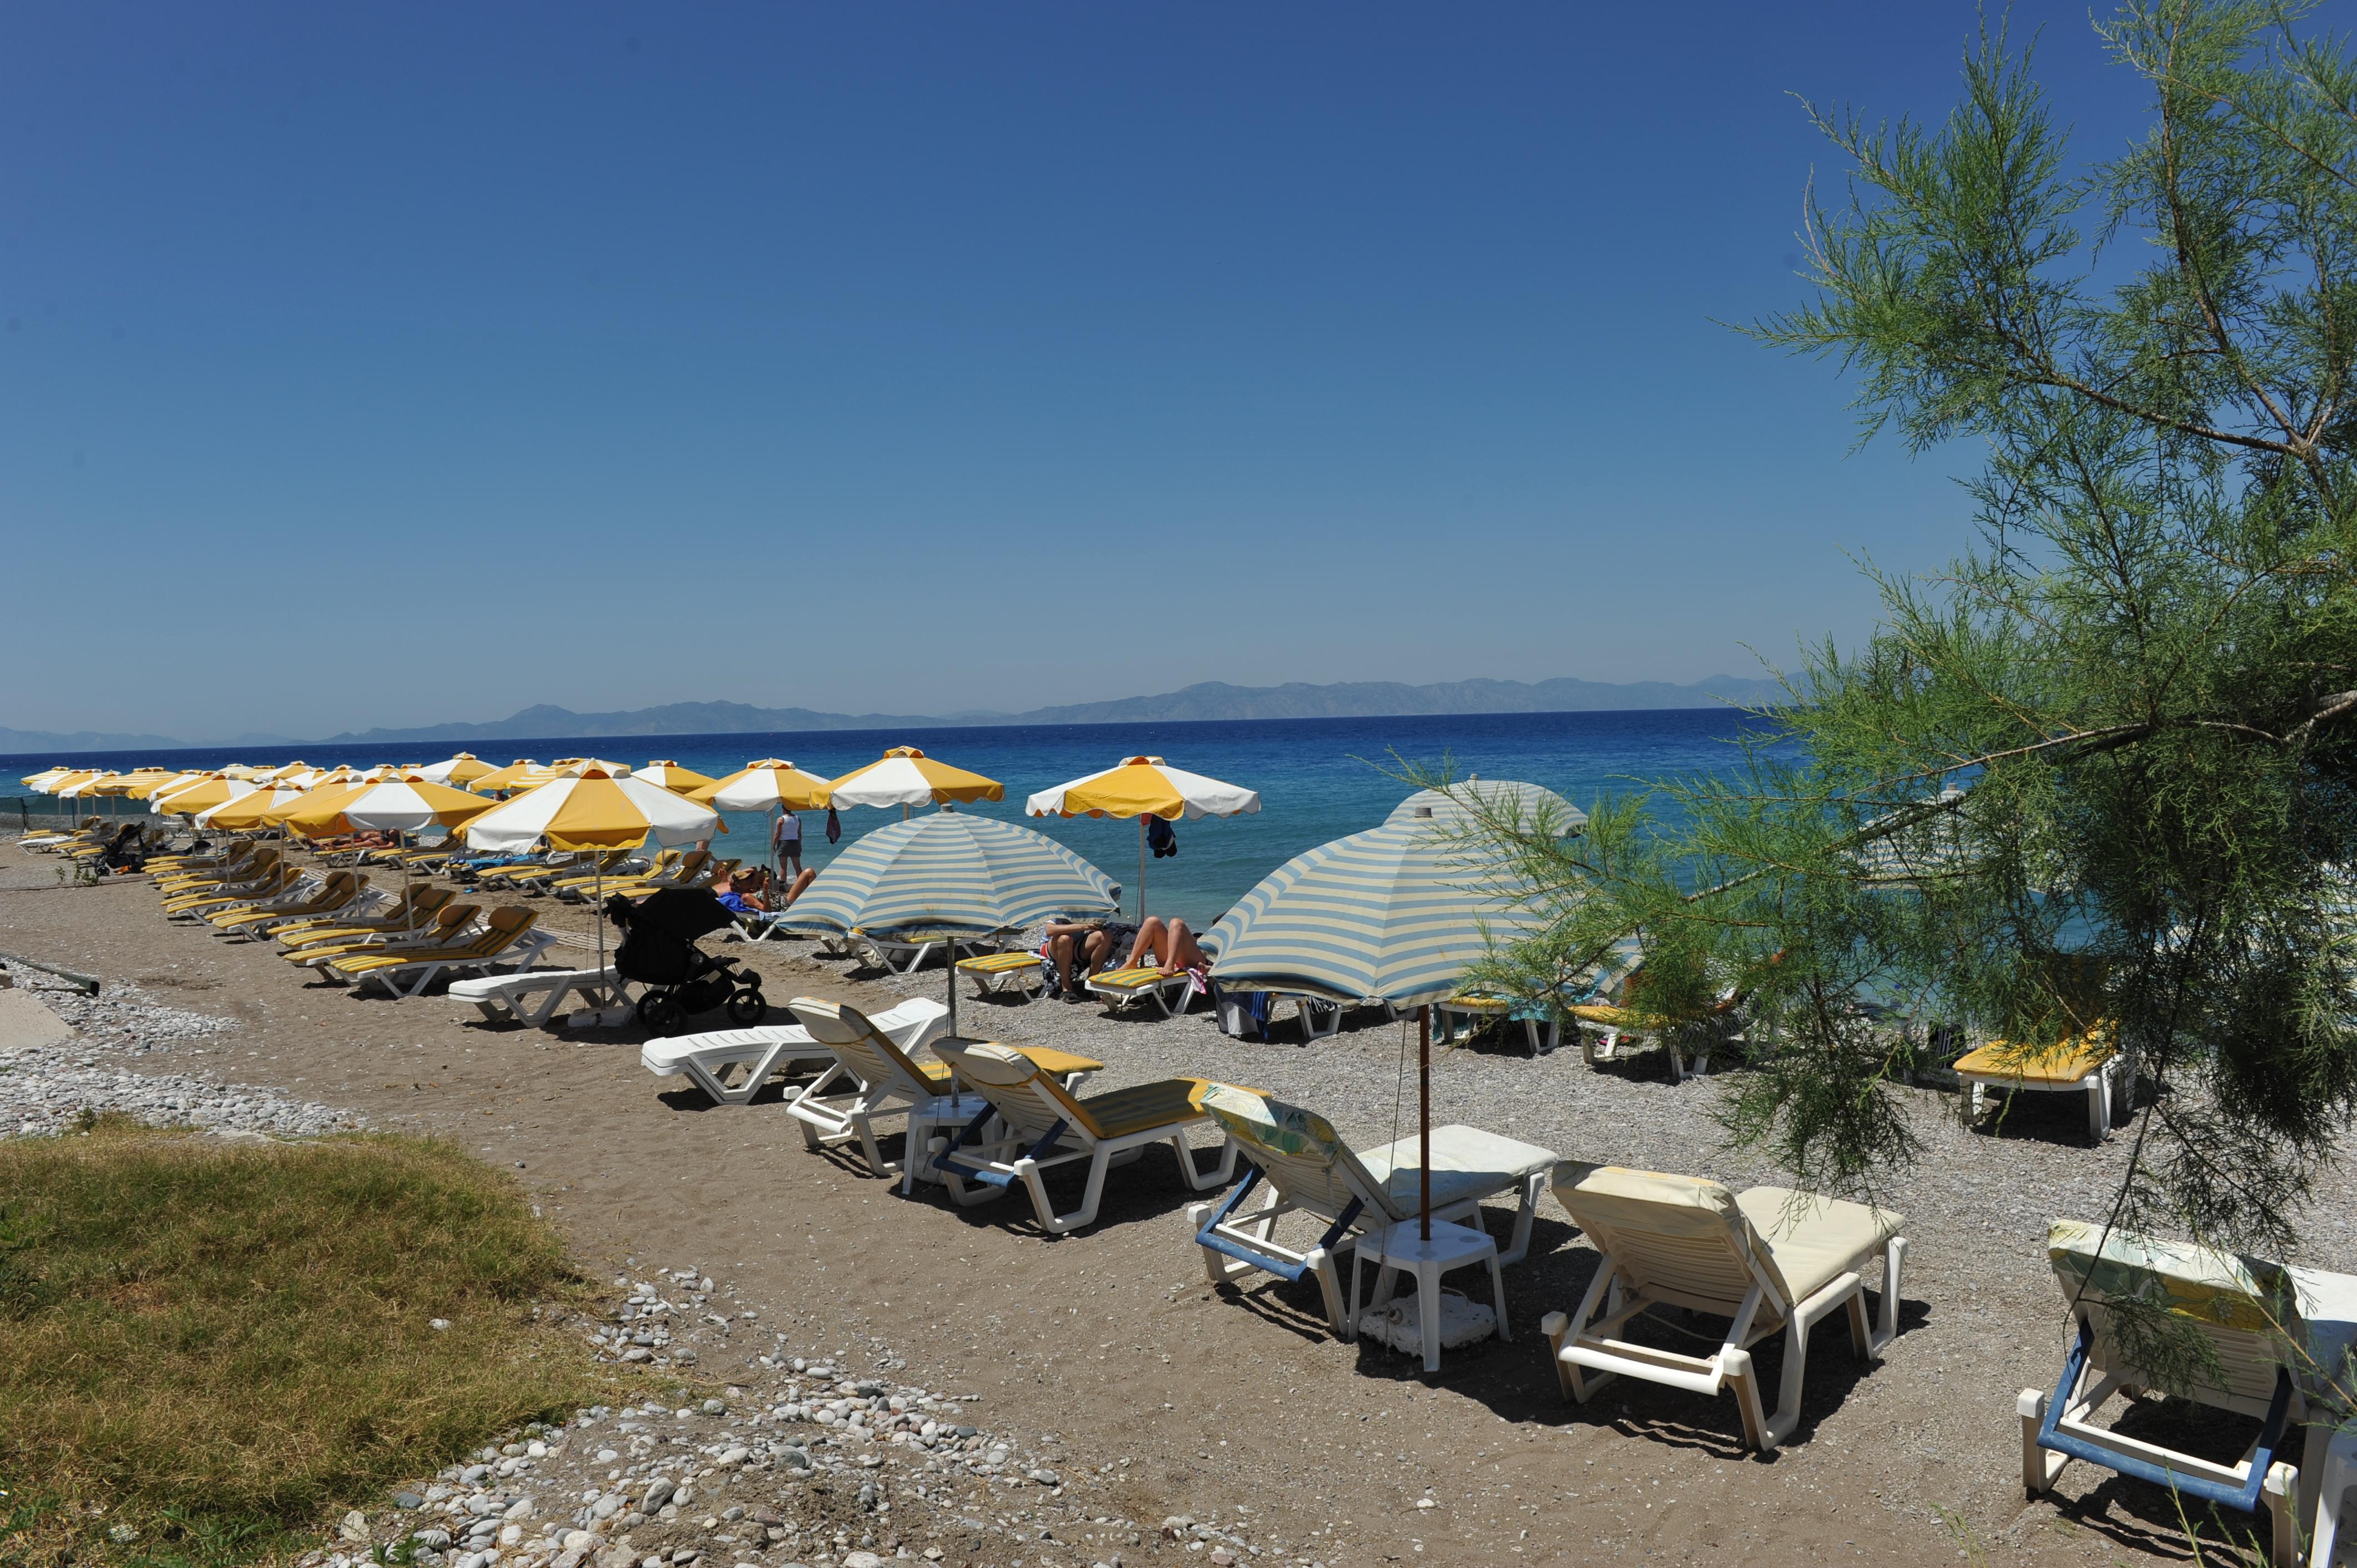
<point>376,365</point>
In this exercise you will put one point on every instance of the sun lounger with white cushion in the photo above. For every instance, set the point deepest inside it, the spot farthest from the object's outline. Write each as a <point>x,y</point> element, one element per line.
<point>752,1057</point>
<point>1764,1259</point>
<point>1309,1169</point>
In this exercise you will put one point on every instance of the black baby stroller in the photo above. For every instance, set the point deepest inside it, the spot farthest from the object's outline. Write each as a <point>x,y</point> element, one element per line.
<point>659,952</point>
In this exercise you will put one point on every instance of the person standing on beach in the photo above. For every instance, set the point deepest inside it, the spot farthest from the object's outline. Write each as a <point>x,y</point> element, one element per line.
<point>786,846</point>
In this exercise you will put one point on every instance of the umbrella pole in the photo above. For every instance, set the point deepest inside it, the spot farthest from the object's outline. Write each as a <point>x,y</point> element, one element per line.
<point>1424,1116</point>
<point>1141,870</point>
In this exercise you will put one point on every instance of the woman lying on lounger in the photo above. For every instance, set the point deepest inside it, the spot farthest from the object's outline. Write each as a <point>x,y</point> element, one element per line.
<point>1167,945</point>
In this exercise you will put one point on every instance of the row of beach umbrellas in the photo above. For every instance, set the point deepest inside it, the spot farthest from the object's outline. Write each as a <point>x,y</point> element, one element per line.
<point>1392,915</point>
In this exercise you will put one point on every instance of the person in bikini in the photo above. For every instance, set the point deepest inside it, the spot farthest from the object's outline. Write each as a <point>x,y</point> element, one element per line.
<point>1167,945</point>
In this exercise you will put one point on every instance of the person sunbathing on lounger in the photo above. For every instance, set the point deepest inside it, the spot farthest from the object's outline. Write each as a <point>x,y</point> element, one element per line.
<point>1167,945</point>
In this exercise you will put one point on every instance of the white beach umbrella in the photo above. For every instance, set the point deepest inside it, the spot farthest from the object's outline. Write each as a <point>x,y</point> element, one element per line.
<point>906,777</point>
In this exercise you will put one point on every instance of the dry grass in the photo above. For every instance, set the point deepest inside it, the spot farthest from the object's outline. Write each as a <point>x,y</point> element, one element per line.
<point>205,1348</point>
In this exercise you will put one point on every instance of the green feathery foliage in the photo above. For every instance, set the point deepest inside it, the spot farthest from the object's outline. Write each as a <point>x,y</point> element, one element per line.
<point>2098,772</point>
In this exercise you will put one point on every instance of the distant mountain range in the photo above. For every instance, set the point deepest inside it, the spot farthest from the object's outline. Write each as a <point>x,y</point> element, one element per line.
<point>1208,700</point>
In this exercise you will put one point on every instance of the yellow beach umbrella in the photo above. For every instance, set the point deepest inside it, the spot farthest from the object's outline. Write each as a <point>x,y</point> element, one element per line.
<point>503,778</point>
<point>671,776</point>
<point>771,782</point>
<point>1143,787</point>
<point>465,770</point>
<point>592,809</point>
<point>44,778</point>
<point>245,814</point>
<point>906,777</point>
<point>163,785</point>
<point>388,805</point>
<point>275,814</point>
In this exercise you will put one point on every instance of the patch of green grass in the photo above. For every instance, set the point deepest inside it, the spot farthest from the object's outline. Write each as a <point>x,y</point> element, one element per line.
<point>207,1349</point>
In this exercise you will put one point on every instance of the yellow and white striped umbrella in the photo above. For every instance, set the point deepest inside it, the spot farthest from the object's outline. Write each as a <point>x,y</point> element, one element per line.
<point>906,777</point>
<point>671,776</point>
<point>387,805</point>
<point>771,782</point>
<point>1143,787</point>
<point>952,869</point>
<point>87,785</point>
<point>156,788</point>
<point>591,809</point>
<point>44,778</point>
<point>243,814</point>
<point>462,770</point>
<point>504,778</point>
<point>200,795</point>
<point>1394,914</point>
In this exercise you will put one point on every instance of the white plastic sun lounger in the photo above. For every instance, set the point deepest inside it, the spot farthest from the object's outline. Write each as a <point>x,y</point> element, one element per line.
<point>506,998</point>
<point>1765,1259</point>
<point>752,1057</point>
<point>1311,1170</point>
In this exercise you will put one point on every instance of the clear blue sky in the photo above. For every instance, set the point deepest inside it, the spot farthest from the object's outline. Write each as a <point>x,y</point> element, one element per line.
<point>380,365</point>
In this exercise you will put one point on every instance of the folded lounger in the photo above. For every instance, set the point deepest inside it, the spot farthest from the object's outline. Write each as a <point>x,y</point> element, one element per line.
<point>410,921</point>
<point>447,926</point>
<point>1309,1169</point>
<point>709,1060</point>
<point>2240,1314</point>
<point>508,998</point>
<point>1168,990</point>
<point>902,949</point>
<point>503,940</point>
<point>882,1079</point>
<point>1765,1259</point>
<point>197,905</point>
<point>337,892</point>
<point>996,973</point>
<point>1030,1123</point>
<point>2083,1064</point>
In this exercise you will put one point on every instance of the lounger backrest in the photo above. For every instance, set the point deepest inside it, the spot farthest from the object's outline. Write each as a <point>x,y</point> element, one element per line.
<point>1300,1152</point>
<point>1027,1099</point>
<point>502,928</point>
<point>866,1049</point>
<point>1680,1237</point>
<point>2245,1308</point>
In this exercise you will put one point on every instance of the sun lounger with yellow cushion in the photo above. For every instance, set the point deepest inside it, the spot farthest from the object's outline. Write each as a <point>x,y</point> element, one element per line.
<point>996,973</point>
<point>1167,989</point>
<point>502,942</point>
<point>442,928</point>
<point>2084,1064</point>
<point>883,1078</point>
<point>1031,1124</point>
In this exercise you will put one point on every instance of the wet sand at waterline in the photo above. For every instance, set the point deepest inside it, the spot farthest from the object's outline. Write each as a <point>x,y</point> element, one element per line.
<point>1110,1345</point>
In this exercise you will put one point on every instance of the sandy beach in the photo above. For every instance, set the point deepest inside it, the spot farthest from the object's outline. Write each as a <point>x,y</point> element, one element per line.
<point>1107,1354</point>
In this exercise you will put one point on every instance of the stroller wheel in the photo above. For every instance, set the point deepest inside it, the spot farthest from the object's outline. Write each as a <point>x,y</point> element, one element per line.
<point>660,1014</point>
<point>748,1007</point>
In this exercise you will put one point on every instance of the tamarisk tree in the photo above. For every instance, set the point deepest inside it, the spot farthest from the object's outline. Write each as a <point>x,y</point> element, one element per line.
<point>2097,773</point>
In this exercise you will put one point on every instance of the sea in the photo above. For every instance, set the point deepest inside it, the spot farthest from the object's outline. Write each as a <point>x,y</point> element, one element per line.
<point>1318,778</point>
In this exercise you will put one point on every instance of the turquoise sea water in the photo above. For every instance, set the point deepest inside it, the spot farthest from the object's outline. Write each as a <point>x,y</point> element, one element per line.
<point>1318,778</point>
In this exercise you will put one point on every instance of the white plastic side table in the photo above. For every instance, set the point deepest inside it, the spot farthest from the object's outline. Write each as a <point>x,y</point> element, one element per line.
<point>927,1120</point>
<point>1402,1247</point>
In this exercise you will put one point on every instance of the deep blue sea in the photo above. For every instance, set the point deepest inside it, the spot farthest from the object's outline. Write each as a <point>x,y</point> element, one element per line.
<point>1318,778</point>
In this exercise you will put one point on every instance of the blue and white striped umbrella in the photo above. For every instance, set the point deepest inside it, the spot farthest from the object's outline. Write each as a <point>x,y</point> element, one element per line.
<point>1455,807</point>
<point>1394,914</point>
<point>946,869</point>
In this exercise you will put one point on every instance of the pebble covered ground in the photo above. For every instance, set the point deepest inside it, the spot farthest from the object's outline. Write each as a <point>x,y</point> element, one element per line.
<point>1907,1459</point>
<point>49,1088</point>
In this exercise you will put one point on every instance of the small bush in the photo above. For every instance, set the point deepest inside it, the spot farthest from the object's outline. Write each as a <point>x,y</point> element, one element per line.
<point>205,1347</point>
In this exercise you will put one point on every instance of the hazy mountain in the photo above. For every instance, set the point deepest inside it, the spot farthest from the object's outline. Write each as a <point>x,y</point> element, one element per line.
<point>26,742</point>
<point>1207,700</point>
